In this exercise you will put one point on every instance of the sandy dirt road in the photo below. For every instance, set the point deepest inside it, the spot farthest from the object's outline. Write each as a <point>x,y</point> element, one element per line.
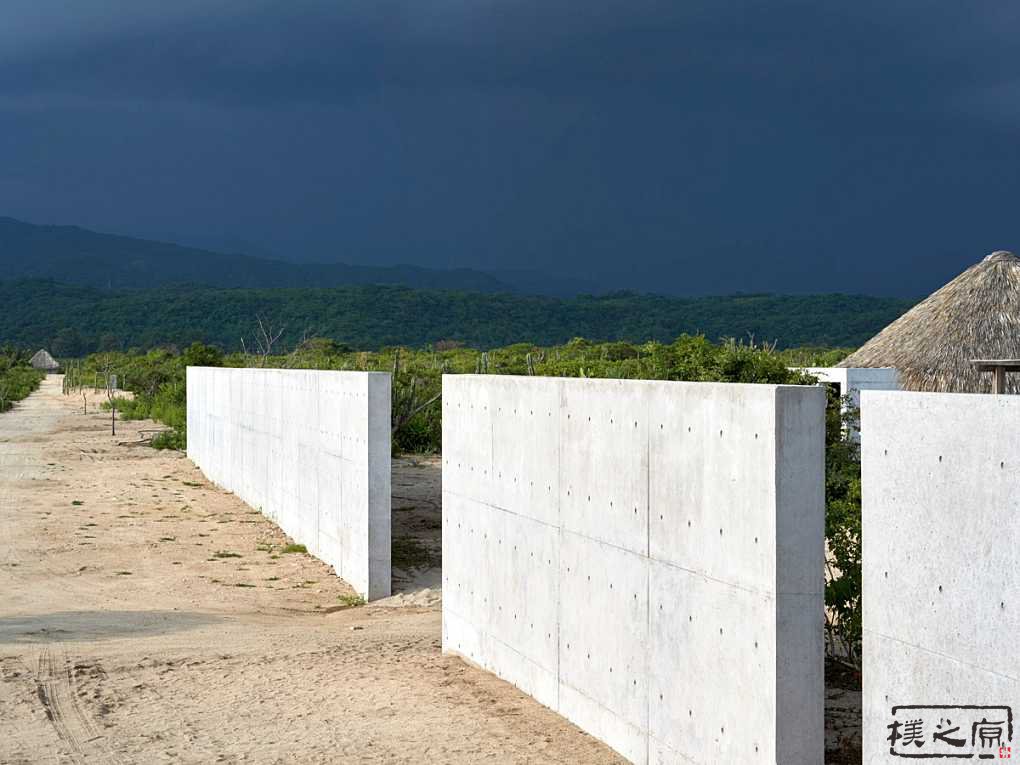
<point>147,616</point>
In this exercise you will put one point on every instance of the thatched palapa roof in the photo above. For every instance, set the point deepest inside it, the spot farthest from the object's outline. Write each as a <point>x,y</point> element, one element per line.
<point>975,316</point>
<point>42,360</point>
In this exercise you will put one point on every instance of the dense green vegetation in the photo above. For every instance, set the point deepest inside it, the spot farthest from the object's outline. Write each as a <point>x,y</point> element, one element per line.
<point>47,314</point>
<point>17,377</point>
<point>157,378</point>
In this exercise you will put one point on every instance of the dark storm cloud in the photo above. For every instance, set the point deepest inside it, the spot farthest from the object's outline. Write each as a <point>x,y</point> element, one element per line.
<point>325,50</point>
<point>706,146</point>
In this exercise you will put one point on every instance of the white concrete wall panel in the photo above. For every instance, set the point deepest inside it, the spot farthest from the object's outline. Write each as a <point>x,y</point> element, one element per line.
<point>311,450</point>
<point>941,556</point>
<point>644,557</point>
<point>603,622</point>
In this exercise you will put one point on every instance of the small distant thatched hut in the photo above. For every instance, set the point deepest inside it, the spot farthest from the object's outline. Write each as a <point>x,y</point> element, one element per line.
<point>44,362</point>
<point>975,316</point>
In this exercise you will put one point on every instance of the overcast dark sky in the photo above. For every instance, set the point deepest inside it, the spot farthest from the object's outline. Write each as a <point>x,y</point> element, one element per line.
<point>688,146</point>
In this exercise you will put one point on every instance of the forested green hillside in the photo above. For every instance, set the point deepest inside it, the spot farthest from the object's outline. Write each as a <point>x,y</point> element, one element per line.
<point>72,320</point>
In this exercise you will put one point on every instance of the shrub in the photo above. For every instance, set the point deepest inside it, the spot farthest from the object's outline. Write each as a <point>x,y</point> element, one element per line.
<point>843,531</point>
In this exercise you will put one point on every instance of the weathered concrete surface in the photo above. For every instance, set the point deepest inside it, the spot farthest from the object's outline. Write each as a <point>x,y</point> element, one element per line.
<point>311,450</point>
<point>941,557</point>
<point>644,557</point>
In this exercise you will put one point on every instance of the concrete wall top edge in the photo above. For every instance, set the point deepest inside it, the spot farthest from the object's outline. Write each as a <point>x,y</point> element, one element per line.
<point>948,399</point>
<point>291,371</point>
<point>617,381</point>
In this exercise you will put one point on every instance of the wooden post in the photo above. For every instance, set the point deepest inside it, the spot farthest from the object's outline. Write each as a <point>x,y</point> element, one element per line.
<point>998,369</point>
<point>111,386</point>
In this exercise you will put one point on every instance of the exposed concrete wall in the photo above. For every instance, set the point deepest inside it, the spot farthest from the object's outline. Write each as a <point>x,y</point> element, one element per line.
<point>311,450</point>
<point>644,557</point>
<point>941,559</point>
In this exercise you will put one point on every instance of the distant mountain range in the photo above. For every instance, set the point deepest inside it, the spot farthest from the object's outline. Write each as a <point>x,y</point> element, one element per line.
<point>74,255</point>
<point>76,291</point>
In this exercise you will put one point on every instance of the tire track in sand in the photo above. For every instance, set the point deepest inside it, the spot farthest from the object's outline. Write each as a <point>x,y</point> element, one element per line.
<point>57,692</point>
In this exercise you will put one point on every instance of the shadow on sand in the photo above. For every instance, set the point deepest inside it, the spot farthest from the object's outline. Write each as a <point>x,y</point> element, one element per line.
<point>97,625</point>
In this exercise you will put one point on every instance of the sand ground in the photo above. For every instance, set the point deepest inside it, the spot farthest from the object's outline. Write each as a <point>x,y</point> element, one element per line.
<point>148,616</point>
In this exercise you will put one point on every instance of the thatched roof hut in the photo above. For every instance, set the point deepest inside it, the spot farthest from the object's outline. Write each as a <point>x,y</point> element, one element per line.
<point>43,361</point>
<point>975,316</point>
